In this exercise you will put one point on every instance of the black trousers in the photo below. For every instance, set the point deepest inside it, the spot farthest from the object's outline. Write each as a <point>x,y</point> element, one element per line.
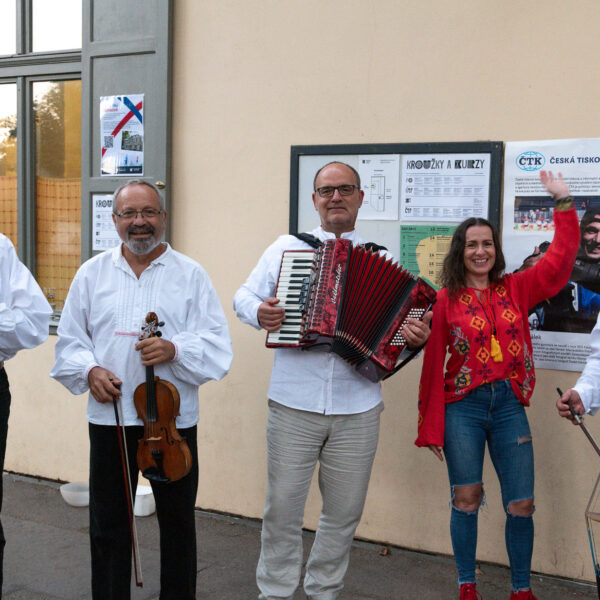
<point>4,414</point>
<point>109,523</point>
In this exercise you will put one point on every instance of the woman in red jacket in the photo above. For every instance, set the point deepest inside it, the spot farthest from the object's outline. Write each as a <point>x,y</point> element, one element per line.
<point>480,319</point>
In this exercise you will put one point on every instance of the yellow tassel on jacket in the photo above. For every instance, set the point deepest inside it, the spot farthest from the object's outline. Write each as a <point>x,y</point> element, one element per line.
<point>495,349</point>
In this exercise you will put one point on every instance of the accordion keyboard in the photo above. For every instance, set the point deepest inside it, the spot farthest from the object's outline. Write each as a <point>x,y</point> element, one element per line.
<point>292,291</point>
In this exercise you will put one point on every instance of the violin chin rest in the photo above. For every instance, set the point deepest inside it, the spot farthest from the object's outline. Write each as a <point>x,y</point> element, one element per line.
<point>154,474</point>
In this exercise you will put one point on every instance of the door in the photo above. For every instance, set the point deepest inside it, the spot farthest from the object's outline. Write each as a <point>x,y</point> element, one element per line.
<point>126,51</point>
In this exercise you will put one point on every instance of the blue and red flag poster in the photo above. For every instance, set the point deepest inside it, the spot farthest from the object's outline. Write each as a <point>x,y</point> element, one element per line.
<point>122,134</point>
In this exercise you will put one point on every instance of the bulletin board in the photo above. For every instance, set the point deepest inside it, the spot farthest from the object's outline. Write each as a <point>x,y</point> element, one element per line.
<point>414,194</point>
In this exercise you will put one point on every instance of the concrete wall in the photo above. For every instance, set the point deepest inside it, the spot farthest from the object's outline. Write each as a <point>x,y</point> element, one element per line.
<point>252,78</point>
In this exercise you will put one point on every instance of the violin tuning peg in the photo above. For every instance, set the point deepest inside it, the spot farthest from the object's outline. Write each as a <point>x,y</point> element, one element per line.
<point>158,334</point>
<point>161,324</point>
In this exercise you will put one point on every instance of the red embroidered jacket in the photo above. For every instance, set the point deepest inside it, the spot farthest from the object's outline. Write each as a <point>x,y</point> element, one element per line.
<point>461,327</point>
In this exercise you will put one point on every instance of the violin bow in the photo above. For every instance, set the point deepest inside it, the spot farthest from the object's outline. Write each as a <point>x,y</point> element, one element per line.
<point>137,563</point>
<point>590,515</point>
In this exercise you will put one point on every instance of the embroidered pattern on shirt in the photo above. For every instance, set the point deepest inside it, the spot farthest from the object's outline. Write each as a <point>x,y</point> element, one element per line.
<point>460,343</point>
<point>477,323</point>
<point>508,315</point>
<point>514,347</point>
<point>483,355</point>
<point>481,338</point>
<point>526,386</point>
<point>528,360</point>
<point>462,379</point>
<point>467,299</point>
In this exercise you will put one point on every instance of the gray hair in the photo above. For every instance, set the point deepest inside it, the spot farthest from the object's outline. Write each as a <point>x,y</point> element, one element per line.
<point>337,162</point>
<point>161,200</point>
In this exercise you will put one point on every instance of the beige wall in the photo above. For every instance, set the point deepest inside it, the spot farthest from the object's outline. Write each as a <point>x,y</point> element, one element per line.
<point>252,78</point>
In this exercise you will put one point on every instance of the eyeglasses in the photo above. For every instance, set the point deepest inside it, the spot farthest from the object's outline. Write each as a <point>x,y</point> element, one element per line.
<point>328,191</point>
<point>147,213</point>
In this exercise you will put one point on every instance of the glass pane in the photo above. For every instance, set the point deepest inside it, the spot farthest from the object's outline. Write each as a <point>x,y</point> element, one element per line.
<point>8,160</point>
<point>56,25</point>
<point>8,27</point>
<point>57,110</point>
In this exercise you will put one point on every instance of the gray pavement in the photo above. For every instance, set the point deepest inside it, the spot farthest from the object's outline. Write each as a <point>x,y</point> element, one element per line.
<point>47,558</point>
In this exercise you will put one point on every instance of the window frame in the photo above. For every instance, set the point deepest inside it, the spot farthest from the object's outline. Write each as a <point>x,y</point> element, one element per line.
<point>24,68</point>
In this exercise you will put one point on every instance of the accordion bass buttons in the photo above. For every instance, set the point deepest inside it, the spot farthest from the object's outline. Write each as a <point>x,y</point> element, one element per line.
<point>399,339</point>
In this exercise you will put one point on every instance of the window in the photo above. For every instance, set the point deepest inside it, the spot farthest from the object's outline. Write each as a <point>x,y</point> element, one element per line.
<point>8,29</point>
<point>8,160</point>
<point>57,117</point>
<point>40,138</point>
<point>56,25</point>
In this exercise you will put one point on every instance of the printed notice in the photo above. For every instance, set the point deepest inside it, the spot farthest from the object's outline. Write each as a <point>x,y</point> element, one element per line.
<point>379,177</point>
<point>423,248</point>
<point>444,187</point>
<point>103,231</point>
<point>122,135</point>
<point>560,326</point>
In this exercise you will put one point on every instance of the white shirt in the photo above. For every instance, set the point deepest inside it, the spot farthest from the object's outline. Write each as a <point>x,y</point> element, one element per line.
<point>588,384</point>
<point>302,379</point>
<point>102,318</point>
<point>24,311</point>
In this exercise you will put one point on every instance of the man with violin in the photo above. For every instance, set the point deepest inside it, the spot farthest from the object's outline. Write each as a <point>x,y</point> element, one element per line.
<point>100,349</point>
<point>320,410</point>
<point>24,323</point>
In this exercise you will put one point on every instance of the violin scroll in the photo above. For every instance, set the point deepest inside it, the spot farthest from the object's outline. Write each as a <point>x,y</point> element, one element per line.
<point>150,327</point>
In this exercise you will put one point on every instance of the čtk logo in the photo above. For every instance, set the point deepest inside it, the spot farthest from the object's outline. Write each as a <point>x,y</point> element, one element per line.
<point>530,161</point>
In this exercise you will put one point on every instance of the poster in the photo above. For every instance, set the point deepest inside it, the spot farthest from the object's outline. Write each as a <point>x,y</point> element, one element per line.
<point>379,177</point>
<point>104,234</point>
<point>560,326</point>
<point>122,135</point>
<point>423,248</point>
<point>444,187</point>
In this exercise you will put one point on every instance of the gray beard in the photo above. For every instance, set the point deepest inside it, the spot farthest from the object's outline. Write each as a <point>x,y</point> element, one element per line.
<point>142,247</point>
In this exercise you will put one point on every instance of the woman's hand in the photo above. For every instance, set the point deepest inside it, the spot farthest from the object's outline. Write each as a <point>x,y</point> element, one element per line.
<point>557,187</point>
<point>437,450</point>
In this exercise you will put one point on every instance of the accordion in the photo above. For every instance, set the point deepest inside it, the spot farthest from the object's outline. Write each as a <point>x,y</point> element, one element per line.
<point>348,300</point>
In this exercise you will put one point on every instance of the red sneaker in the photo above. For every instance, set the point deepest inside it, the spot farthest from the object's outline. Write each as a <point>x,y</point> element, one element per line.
<point>522,595</point>
<point>469,592</point>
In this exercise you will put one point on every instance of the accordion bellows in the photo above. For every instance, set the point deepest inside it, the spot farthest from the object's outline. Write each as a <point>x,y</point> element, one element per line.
<point>348,300</point>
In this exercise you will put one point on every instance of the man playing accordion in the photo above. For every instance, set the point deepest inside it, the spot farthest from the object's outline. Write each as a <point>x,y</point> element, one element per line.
<point>320,409</point>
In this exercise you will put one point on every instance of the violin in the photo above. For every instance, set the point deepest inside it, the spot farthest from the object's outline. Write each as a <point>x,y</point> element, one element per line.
<point>163,455</point>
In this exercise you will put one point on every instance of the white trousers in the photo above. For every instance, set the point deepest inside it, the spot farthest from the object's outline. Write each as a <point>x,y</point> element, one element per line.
<point>345,445</point>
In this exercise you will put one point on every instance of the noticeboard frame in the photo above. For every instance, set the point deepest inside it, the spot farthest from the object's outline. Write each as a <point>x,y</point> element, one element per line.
<point>494,148</point>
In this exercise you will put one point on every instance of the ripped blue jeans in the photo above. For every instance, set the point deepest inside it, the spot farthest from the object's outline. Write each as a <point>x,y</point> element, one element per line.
<point>490,413</point>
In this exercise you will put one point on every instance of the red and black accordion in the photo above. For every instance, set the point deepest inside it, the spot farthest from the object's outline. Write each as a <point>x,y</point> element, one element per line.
<point>348,300</point>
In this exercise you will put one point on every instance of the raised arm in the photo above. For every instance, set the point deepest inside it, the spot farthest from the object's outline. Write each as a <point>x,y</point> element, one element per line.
<point>556,187</point>
<point>551,272</point>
